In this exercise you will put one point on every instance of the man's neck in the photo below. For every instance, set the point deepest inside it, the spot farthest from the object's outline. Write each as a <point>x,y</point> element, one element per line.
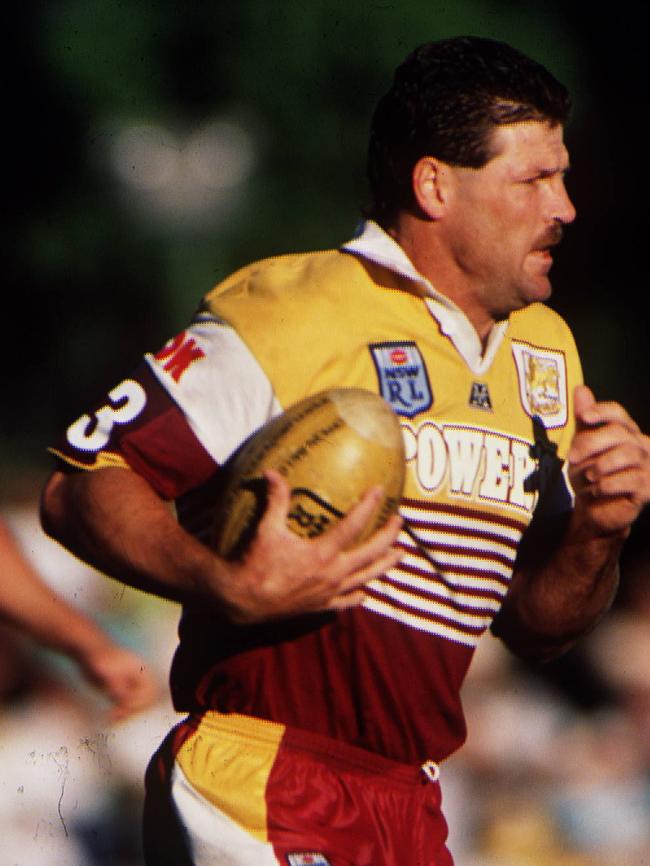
<point>421,244</point>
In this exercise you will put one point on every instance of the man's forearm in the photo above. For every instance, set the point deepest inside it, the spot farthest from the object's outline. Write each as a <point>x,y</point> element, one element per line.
<point>553,602</point>
<point>113,520</point>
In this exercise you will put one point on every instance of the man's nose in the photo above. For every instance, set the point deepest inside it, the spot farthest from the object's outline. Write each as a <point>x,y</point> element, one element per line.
<point>565,212</point>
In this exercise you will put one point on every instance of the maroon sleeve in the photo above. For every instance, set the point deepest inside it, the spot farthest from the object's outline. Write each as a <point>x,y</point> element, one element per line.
<point>138,425</point>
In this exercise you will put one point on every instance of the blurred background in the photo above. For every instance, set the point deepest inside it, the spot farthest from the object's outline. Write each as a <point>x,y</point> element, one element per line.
<point>153,147</point>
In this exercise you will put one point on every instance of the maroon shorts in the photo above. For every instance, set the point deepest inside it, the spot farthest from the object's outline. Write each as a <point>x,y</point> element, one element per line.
<point>228,789</point>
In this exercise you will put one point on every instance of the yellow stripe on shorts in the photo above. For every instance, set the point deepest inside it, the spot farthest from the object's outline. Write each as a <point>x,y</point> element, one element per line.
<point>228,760</point>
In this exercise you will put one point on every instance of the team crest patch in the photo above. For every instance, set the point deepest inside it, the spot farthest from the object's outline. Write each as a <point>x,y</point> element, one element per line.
<point>542,383</point>
<point>307,859</point>
<point>480,396</point>
<point>403,377</point>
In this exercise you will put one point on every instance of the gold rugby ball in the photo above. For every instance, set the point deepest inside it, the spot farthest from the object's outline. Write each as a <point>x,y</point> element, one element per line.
<point>331,447</point>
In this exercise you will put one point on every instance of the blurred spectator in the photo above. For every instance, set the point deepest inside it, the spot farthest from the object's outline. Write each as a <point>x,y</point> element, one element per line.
<point>543,781</point>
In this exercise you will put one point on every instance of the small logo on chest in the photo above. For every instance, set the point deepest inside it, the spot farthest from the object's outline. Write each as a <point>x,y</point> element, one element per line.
<point>403,378</point>
<point>307,859</point>
<point>480,396</point>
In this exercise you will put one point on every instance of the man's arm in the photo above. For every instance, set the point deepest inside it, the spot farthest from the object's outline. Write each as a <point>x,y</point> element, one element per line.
<point>114,520</point>
<point>29,604</point>
<point>562,590</point>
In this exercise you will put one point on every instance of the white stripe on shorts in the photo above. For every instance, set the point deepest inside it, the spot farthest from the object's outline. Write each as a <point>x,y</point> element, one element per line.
<point>215,839</point>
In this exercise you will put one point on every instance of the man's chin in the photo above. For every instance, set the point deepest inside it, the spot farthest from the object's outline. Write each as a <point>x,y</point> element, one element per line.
<point>531,295</point>
<point>538,291</point>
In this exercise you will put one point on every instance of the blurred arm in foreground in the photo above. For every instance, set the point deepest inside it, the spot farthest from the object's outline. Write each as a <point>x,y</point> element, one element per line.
<point>31,605</point>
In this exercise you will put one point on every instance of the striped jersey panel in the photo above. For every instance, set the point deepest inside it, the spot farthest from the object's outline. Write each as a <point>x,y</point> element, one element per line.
<point>454,573</point>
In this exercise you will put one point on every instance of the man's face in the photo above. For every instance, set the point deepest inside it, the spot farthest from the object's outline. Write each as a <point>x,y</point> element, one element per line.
<point>505,217</point>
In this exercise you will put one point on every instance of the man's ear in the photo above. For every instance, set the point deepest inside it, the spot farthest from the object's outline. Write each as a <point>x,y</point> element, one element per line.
<point>431,186</point>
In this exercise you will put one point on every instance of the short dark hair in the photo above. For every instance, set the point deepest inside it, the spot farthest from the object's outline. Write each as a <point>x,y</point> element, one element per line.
<point>445,100</point>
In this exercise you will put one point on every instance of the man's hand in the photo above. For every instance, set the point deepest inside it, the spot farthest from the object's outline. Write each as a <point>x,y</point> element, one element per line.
<point>122,675</point>
<point>282,574</point>
<point>609,465</point>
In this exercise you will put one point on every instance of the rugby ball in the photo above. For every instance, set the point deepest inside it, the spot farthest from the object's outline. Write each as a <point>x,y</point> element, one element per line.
<point>331,447</point>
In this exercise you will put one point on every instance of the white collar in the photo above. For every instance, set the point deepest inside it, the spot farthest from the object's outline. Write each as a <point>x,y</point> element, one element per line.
<point>373,243</point>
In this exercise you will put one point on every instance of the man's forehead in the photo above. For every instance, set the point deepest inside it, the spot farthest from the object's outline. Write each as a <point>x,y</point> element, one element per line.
<point>530,141</point>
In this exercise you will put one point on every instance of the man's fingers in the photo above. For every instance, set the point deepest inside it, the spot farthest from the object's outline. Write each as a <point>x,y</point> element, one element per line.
<point>629,456</point>
<point>351,599</point>
<point>347,531</point>
<point>590,413</point>
<point>611,413</point>
<point>621,484</point>
<point>583,402</point>
<point>378,545</point>
<point>369,561</point>
<point>340,536</point>
<point>631,482</point>
<point>278,498</point>
<point>379,566</point>
<point>352,588</point>
<point>591,442</point>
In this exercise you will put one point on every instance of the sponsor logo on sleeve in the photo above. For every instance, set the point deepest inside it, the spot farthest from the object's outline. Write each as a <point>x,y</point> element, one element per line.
<point>177,355</point>
<point>403,378</point>
<point>542,383</point>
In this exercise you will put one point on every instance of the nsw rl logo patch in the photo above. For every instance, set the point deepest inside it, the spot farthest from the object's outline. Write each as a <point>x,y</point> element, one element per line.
<point>403,379</point>
<point>307,859</point>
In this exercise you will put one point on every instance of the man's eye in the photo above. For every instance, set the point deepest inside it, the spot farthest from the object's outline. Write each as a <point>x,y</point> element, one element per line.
<point>537,178</point>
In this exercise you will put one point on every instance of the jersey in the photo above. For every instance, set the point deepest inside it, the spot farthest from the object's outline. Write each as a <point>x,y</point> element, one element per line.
<point>486,430</point>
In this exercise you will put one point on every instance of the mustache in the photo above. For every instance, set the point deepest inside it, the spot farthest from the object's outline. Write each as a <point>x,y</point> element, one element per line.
<point>551,237</point>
